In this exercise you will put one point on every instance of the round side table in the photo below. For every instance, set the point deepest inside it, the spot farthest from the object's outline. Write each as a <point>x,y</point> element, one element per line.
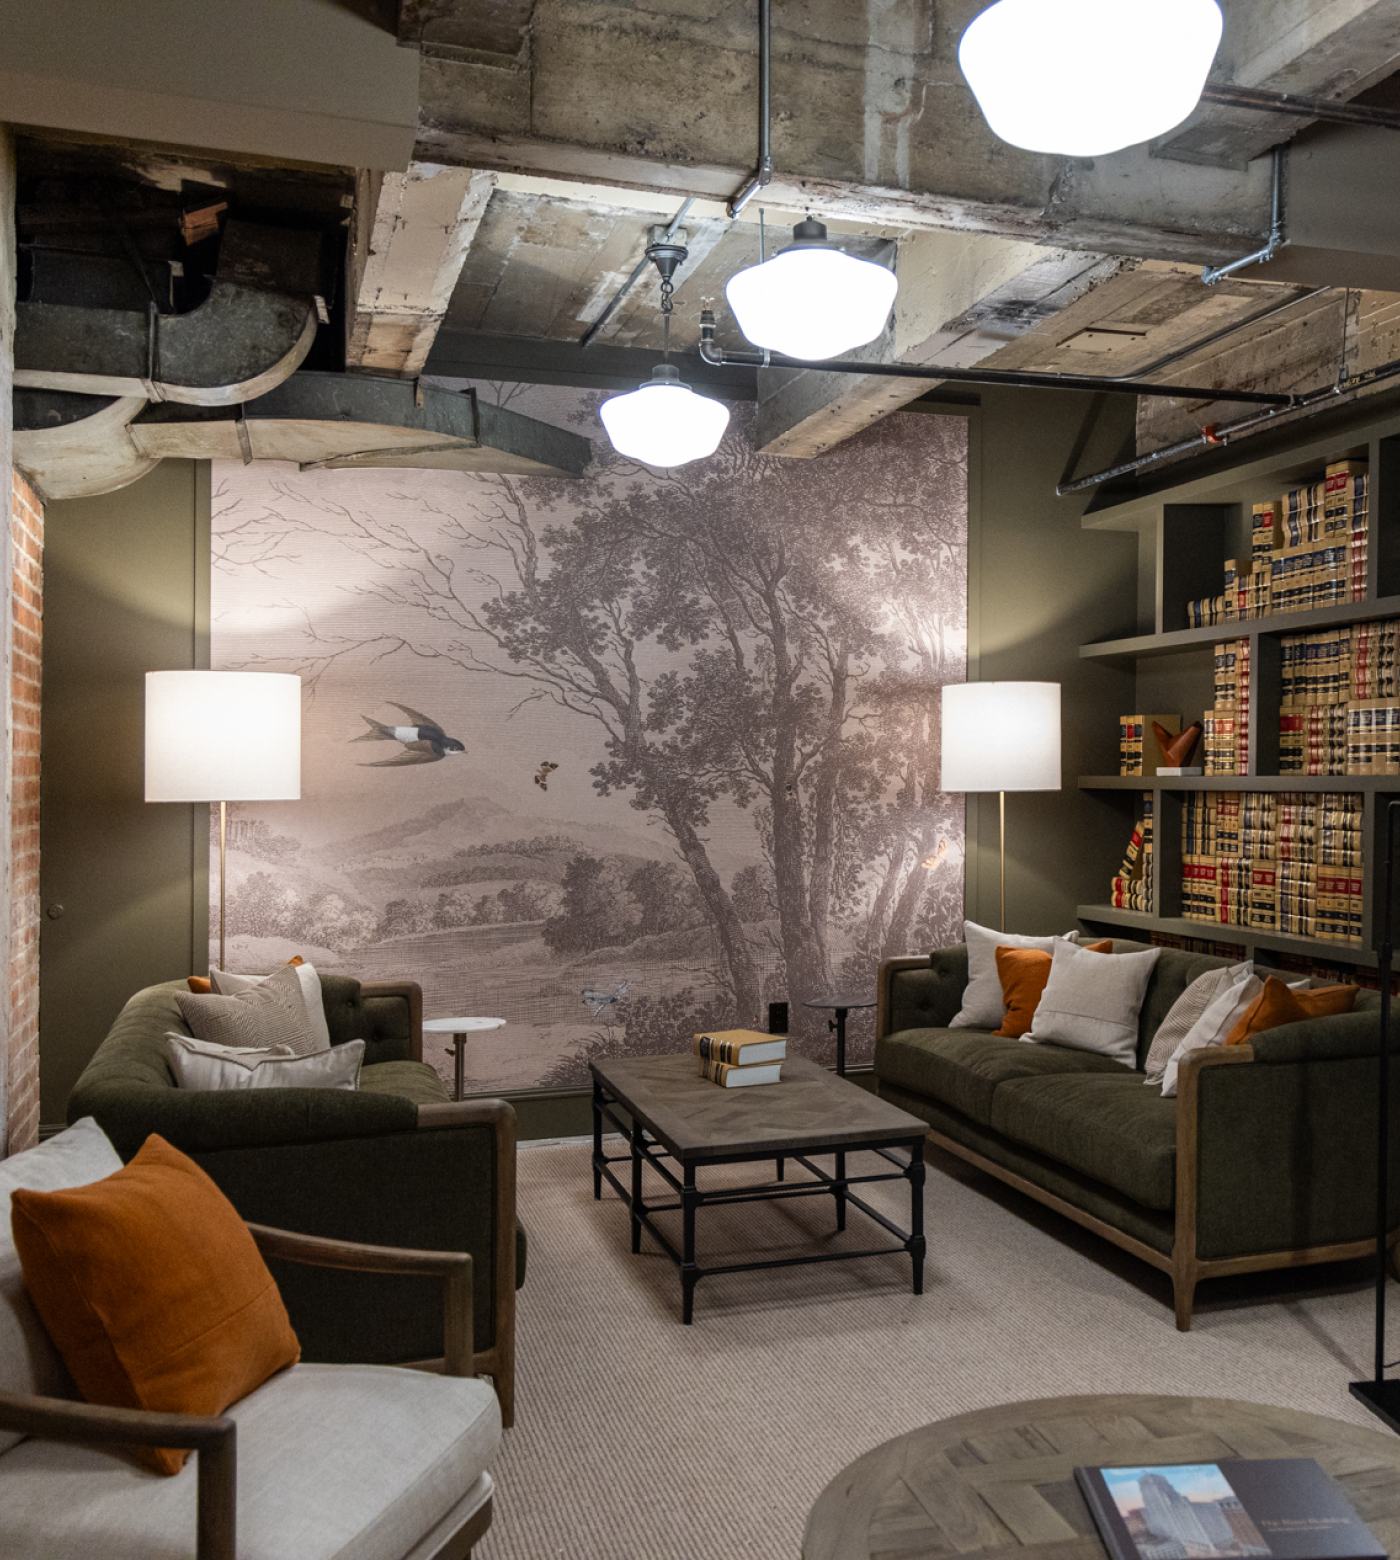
<point>1001,1480</point>
<point>840,1006</point>
<point>459,1029</point>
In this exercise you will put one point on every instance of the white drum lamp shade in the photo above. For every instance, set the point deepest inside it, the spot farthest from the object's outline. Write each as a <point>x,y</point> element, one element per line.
<point>812,300</point>
<point>223,737</point>
<point>1001,736</point>
<point>663,422</point>
<point>1083,78</point>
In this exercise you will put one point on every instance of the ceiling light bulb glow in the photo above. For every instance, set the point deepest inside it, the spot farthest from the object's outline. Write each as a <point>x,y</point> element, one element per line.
<point>1083,78</point>
<point>663,422</point>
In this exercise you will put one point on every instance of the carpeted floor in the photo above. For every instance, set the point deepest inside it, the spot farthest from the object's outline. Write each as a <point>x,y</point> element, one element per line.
<point>639,1439</point>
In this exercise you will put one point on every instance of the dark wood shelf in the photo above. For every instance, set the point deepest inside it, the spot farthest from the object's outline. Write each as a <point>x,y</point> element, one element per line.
<point>1179,639</point>
<point>1242,936</point>
<point>1356,783</point>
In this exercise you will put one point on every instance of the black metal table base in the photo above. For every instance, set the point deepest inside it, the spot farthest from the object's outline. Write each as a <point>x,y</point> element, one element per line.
<point>644,1151</point>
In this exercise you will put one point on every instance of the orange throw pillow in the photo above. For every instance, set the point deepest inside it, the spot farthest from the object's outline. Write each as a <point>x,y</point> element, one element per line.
<point>202,986</point>
<point>1278,1004</point>
<point>1023,973</point>
<point>153,1291</point>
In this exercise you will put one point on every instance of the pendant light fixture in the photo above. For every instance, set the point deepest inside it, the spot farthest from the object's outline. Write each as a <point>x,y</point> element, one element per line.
<point>663,422</point>
<point>1083,78</point>
<point>812,300</point>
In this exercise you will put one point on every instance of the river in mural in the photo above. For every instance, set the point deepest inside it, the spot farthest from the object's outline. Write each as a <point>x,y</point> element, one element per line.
<point>611,758</point>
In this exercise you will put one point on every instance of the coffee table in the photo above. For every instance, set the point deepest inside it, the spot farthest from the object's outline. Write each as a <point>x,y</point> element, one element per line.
<point>669,1112</point>
<point>1000,1481</point>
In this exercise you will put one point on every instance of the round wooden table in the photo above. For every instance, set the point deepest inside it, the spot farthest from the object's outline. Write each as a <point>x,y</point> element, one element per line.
<point>459,1029</point>
<point>1001,1480</point>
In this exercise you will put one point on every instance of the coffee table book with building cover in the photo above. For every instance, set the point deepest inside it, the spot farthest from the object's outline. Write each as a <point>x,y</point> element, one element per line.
<point>1276,1509</point>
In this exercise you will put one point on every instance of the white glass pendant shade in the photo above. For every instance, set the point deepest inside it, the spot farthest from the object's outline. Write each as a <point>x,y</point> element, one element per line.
<point>664,422</point>
<point>811,300</point>
<point>1082,78</point>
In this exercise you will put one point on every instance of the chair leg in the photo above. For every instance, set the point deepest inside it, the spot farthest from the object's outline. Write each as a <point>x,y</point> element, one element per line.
<point>504,1382</point>
<point>1395,1261</point>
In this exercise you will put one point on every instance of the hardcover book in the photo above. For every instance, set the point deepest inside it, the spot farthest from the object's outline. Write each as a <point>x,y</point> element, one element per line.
<point>1276,1509</point>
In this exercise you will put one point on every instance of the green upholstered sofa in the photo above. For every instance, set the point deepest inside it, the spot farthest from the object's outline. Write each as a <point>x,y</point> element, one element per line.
<point>397,1163</point>
<point>1266,1158</point>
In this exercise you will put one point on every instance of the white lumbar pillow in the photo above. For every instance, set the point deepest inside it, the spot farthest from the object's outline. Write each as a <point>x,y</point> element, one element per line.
<point>983,1006</point>
<point>1092,1001</point>
<point>1214,1025</point>
<point>227,984</point>
<point>200,1064</point>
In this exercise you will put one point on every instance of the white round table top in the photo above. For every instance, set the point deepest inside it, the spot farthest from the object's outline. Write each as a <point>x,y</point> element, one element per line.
<point>460,1026</point>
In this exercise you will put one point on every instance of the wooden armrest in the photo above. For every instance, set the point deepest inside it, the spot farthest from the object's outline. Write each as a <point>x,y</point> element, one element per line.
<point>454,1268</point>
<point>213,1439</point>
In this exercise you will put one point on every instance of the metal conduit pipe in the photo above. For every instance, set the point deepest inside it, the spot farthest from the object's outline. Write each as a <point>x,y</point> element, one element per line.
<point>763,173</point>
<point>1213,274</point>
<point>719,357</point>
<point>1220,434</point>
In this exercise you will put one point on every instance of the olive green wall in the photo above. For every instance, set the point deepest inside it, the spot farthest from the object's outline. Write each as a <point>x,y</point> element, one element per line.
<point>1039,586</point>
<point>127,592</point>
<point>125,883</point>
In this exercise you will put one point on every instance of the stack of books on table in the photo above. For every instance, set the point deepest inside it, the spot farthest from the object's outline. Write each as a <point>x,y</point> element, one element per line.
<point>738,1058</point>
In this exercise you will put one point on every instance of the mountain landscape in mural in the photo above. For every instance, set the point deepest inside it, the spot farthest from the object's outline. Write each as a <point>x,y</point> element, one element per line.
<point>612,758</point>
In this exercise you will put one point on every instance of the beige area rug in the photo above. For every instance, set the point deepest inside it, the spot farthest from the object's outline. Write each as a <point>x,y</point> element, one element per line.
<point>639,1439</point>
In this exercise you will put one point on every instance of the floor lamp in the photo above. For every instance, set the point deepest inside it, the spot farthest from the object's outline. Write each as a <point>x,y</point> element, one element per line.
<point>1001,736</point>
<point>1380,1395</point>
<point>223,737</point>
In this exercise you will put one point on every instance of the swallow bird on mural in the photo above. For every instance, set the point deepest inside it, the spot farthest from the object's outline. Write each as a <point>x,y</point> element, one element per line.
<point>596,1001</point>
<point>543,773</point>
<point>424,742</point>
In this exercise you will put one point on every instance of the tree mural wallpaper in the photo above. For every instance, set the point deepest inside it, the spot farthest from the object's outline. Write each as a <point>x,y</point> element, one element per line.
<point>610,759</point>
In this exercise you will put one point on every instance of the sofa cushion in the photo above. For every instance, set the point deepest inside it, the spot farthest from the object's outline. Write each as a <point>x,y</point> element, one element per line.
<point>354,1462</point>
<point>29,1363</point>
<point>414,1081</point>
<point>1103,1124</point>
<point>964,1067</point>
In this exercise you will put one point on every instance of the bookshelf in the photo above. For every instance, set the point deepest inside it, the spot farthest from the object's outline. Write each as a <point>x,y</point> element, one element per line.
<point>1185,531</point>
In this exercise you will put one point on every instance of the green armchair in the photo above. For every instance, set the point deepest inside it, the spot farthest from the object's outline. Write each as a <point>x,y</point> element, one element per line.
<point>396,1163</point>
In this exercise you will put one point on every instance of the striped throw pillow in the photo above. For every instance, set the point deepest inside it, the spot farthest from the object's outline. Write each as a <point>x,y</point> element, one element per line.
<point>271,1013</point>
<point>1183,1015</point>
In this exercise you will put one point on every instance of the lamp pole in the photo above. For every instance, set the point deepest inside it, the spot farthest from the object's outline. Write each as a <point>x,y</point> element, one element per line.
<point>1382,1397</point>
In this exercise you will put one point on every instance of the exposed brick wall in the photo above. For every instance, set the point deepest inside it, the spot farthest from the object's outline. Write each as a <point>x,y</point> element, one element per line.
<point>26,646</point>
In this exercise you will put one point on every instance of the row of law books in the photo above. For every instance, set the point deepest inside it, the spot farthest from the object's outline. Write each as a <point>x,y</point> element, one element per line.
<point>1225,726</point>
<point>1131,888</point>
<point>740,1058</point>
<point>1308,549</point>
<point>1274,862</point>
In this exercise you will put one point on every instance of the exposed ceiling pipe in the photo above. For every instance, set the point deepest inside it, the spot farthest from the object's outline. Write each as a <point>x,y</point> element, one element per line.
<point>719,357</point>
<point>1213,274</point>
<point>763,173</point>
<point>1329,110</point>
<point>1217,435</point>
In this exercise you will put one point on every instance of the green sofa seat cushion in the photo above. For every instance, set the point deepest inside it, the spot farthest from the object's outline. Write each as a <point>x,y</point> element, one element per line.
<point>414,1081</point>
<point>965,1067</point>
<point>1107,1126</point>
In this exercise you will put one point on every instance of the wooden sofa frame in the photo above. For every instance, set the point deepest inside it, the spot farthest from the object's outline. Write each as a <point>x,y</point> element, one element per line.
<point>1181,1263</point>
<point>213,1438</point>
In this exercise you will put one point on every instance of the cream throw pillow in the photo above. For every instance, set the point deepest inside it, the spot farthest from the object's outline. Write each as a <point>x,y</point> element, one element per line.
<point>1092,1001</point>
<point>199,1065</point>
<point>1185,1013</point>
<point>270,1013</point>
<point>227,984</point>
<point>982,1004</point>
